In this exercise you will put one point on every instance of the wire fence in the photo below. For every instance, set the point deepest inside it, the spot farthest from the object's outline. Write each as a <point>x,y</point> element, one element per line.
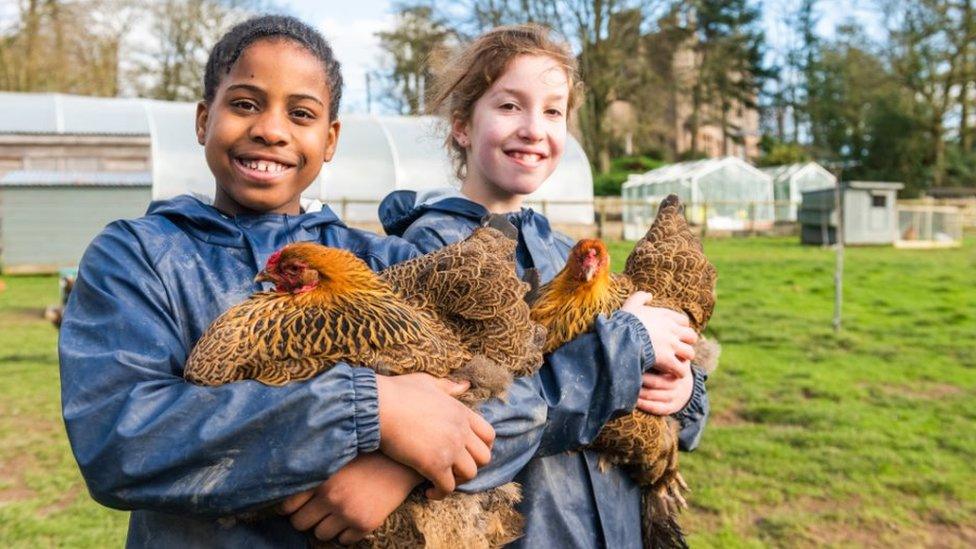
<point>618,218</point>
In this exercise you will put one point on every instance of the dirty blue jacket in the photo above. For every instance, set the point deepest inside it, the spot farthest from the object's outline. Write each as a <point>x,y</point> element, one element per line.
<point>179,455</point>
<point>567,500</point>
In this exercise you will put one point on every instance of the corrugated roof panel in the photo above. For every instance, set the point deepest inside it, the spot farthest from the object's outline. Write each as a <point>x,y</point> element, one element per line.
<point>52,113</point>
<point>45,178</point>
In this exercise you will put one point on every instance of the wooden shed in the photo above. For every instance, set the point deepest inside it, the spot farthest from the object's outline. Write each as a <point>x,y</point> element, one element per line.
<point>870,214</point>
<point>48,218</point>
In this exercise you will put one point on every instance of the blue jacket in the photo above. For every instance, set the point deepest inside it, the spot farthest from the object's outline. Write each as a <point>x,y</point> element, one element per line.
<point>181,455</point>
<point>568,501</point>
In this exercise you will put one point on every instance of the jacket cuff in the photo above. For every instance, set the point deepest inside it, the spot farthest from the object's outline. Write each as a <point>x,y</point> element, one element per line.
<point>695,408</point>
<point>644,339</point>
<point>367,408</point>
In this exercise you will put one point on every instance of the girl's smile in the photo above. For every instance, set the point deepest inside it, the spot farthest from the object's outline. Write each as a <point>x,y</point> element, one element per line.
<point>516,134</point>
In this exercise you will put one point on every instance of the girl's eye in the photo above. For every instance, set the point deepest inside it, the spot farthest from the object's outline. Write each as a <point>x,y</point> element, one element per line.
<point>303,113</point>
<point>554,112</point>
<point>508,107</point>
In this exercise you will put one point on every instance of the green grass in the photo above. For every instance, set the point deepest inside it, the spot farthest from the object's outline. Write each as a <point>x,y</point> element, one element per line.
<point>863,438</point>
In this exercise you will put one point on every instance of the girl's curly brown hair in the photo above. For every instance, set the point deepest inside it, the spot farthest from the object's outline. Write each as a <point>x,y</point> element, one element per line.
<point>465,77</point>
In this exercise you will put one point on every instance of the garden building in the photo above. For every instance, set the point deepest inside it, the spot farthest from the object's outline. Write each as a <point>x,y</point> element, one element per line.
<point>722,193</point>
<point>870,214</point>
<point>70,164</point>
<point>791,180</point>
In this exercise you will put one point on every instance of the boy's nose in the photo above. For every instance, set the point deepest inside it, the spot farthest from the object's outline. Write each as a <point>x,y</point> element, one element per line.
<point>270,128</point>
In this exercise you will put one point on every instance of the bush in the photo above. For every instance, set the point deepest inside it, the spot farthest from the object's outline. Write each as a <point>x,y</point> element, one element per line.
<point>609,184</point>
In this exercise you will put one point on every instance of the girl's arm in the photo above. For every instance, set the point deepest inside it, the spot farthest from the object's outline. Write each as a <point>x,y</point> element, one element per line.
<point>145,438</point>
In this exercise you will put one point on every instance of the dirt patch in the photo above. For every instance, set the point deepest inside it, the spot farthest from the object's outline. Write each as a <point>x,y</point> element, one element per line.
<point>62,503</point>
<point>727,417</point>
<point>14,314</point>
<point>918,391</point>
<point>11,476</point>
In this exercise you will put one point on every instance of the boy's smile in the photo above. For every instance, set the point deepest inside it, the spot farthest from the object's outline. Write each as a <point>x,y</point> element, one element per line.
<point>267,131</point>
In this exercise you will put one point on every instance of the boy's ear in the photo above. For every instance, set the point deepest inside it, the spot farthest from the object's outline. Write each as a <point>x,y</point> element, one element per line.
<point>459,131</point>
<point>332,139</point>
<point>203,110</point>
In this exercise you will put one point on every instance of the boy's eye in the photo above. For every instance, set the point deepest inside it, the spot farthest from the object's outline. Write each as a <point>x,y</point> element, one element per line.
<point>303,113</point>
<point>244,104</point>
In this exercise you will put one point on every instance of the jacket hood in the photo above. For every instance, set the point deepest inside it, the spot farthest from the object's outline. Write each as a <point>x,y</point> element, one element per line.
<point>401,208</point>
<point>208,224</point>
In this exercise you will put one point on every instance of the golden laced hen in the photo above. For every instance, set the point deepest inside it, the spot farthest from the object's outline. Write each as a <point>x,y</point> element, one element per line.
<point>458,312</point>
<point>670,264</point>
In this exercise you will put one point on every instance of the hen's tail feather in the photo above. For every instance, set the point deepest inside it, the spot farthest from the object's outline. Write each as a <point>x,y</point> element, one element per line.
<point>660,529</point>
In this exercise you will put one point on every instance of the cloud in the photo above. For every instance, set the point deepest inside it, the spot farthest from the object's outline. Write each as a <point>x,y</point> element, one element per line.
<point>357,48</point>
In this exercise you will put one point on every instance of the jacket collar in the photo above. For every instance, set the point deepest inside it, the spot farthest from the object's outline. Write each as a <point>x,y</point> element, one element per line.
<point>208,224</point>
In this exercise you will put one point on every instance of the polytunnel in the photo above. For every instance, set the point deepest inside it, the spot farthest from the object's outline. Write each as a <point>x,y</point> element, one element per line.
<point>375,156</point>
<point>726,193</point>
<point>790,181</point>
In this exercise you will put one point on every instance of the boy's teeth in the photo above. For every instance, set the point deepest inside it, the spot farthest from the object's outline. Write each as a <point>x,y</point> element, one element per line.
<point>263,165</point>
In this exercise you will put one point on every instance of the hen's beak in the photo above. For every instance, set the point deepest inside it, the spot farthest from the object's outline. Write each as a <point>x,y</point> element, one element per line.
<point>262,277</point>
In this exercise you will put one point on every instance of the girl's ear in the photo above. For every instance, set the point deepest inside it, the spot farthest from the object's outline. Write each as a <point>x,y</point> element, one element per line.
<point>203,110</point>
<point>459,131</point>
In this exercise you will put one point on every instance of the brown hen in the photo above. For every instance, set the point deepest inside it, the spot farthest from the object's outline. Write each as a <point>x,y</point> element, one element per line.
<point>457,312</point>
<point>670,264</point>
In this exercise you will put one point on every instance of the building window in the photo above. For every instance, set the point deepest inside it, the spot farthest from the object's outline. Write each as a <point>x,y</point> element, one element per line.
<point>879,200</point>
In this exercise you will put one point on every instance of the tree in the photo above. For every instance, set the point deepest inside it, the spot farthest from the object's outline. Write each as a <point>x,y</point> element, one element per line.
<point>64,46</point>
<point>183,32</point>
<point>409,49</point>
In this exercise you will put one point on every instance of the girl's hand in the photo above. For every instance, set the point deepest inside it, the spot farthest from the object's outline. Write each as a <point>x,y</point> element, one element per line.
<point>670,332</point>
<point>354,501</point>
<point>424,427</point>
<point>665,394</point>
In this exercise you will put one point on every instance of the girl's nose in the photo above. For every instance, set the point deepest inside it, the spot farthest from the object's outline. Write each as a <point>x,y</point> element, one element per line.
<point>270,128</point>
<point>532,128</point>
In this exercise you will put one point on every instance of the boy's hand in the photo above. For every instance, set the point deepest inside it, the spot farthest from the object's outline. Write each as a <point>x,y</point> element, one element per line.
<point>355,501</point>
<point>665,394</point>
<point>424,427</point>
<point>670,332</point>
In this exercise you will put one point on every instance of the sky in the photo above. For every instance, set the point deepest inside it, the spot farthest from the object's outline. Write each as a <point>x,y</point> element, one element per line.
<point>350,25</point>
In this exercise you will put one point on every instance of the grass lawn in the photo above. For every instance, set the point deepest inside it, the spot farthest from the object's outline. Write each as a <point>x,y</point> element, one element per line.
<point>865,438</point>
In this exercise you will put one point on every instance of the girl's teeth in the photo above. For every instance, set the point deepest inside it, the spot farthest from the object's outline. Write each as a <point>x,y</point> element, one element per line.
<point>263,166</point>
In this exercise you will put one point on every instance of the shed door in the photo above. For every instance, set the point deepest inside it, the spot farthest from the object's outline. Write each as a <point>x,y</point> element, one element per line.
<point>879,212</point>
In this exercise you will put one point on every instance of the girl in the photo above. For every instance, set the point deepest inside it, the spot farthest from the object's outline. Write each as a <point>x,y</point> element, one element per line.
<point>181,455</point>
<point>507,97</point>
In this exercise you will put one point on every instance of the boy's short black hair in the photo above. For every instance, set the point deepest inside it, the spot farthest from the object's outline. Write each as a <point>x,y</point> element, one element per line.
<point>230,47</point>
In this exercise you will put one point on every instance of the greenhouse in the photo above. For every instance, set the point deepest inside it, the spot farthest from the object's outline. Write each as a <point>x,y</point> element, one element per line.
<point>791,180</point>
<point>721,193</point>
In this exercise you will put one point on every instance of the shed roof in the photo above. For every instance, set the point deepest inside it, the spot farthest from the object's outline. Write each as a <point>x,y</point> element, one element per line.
<point>787,171</point>
<point>56,113</point>
<point>694,169</point>
<point>48,178</point>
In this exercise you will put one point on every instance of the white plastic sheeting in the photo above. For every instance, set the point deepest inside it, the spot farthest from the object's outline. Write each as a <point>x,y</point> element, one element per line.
<point>791,180</point>
<point>729,192</point>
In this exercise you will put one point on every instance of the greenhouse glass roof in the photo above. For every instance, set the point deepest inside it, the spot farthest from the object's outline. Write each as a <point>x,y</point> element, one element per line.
<point>55,113</point>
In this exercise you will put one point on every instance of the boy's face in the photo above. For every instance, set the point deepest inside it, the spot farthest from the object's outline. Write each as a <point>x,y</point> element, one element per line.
<point>267,132</point>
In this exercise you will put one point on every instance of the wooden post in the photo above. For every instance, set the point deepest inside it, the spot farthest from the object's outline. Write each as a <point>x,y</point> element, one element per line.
<point>752,218</point>
<point>545,208</point>
<point>839,266</point>
<point>704,219</point>
<point>344,208</point>
<point>602,219</point>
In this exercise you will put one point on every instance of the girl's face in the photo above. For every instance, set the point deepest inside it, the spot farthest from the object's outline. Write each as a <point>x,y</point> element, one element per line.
<point>517,132</point>
<point>267,131</point>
